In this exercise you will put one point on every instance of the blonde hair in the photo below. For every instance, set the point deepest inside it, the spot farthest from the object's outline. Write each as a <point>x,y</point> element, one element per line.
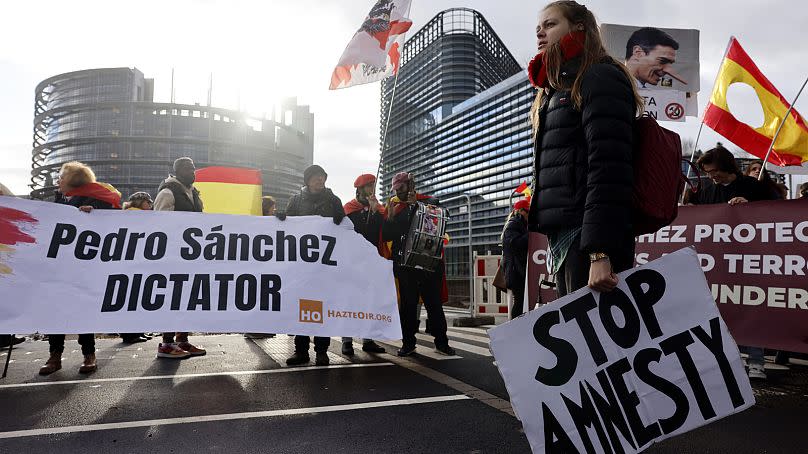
<point>76,174</point>
<point>594,52</point>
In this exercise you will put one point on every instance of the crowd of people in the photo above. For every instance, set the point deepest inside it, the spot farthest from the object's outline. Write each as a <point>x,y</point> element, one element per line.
<point>386,227</point>
<point>583,115</point>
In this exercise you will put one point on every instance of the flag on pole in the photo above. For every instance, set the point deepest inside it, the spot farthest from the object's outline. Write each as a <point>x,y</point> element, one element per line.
<point>791,147</point>
<point>229,190</point>
<point>374,52</point>
<point>524,189</point>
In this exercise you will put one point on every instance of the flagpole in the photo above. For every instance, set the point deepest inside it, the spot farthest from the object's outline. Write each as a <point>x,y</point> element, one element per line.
<point>701,126</point>
<point>387,125</point>
<point>780,127</point>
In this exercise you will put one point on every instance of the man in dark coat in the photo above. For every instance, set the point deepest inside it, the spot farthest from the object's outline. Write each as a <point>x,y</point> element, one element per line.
<point>317,200</point>
<point>367,216</point>
<point>728,184</point>
<point>514,254</point>
<point>414,283</point>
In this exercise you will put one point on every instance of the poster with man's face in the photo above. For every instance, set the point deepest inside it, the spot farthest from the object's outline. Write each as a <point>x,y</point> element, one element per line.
<point>664,63</point>
<point>663,58</point>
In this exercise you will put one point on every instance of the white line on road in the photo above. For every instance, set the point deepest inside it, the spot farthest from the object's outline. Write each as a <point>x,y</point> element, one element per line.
<point>212,374</point>
<point>230,416</point>
<point>484,339</point>
<point>458,345</point>
<point>424,350</point>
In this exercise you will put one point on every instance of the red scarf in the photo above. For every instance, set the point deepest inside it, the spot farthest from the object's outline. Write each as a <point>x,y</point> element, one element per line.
<point>99,191</point>
<point>572,45</point>
<point>354,205</point>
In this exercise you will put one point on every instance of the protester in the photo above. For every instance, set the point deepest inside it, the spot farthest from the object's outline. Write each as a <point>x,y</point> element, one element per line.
<point>803,192</point>
<point>177,193</point>
<point>137,201</point>
<point>582,118</point>
<point>267,209</point>
<point>78,188</point>
<point>514,254</point>
<point>730,186</point>
<point>6,339</point>
<point>367,215</point>
<point>314,199</point>
<point>414,283</point>
<point>778,191</point>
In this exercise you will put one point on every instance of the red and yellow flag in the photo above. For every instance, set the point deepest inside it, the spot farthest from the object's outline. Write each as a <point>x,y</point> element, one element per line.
<point>524,189</point>
<point>229,190</point>
<point>791,147</point>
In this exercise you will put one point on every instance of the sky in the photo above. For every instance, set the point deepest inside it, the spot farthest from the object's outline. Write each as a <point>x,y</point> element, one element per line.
<point>261,51</point>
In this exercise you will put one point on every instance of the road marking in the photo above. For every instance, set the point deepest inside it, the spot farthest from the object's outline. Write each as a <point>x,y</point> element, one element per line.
<point>458,345</point>
<point>482,339</point>
<point>469,329</point>
<point>471,391</point>
<point>279,349</point>
<point>230,416</point>
<point>181,376</point>
<point>424,351</point>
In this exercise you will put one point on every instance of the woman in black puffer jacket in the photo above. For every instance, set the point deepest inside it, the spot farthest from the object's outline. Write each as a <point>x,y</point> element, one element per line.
<point>583,120</point>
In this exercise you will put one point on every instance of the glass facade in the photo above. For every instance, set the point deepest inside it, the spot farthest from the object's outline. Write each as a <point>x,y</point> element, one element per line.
<point>460,124</point>
<point>106,119</point>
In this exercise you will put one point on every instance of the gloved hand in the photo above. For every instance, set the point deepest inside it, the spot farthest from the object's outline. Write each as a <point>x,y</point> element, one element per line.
<point>338,217</point>
<point>281,215</point>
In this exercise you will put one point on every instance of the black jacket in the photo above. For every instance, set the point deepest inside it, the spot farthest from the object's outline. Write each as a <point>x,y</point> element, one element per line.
<point>514,251</point>
<point>397,227</point>
<point>368,228</point>
<point>743,186</point>
<point>182,202</point>
<point>583,173</point>
<point>80,201</point>
<point>324,203</point>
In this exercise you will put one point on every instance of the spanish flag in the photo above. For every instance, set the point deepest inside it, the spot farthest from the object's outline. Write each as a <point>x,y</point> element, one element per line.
<point>791,147</point>
<point>229,190</point>
<point>524,189</point>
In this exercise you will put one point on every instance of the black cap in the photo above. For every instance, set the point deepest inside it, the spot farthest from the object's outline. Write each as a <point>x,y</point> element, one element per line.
<point>311,171</point>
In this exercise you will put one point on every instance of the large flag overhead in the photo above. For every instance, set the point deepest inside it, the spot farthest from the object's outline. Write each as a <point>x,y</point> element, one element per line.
<point>229,190</point>
<point>791,148</point>
<point>374,53</point>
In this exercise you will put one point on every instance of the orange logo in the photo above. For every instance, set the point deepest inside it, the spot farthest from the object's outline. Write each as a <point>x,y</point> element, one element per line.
<point>311,311</point>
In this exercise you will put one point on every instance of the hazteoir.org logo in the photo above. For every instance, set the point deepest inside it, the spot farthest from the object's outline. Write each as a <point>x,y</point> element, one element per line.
<point>311,311</point>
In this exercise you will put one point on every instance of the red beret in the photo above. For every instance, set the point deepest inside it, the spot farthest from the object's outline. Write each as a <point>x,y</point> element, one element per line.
<point>523,204</point>
<point>363,180</point>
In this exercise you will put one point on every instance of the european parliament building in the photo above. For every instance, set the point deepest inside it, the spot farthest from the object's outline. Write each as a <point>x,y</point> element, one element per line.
<point>107,118</point>
<point>460,124</point>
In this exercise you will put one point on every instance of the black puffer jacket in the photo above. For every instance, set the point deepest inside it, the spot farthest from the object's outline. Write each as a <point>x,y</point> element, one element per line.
<point>514,251</point>
<point>324,203</point>
<point>583,159</point>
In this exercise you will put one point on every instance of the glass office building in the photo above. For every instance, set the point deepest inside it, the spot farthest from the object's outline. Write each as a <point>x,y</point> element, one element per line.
<point>460,124</point>
<point>107,118</point>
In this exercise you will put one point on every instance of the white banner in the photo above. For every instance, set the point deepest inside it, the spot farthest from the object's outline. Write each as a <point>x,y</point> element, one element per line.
<point>614,372</point>
<point>64,271</point>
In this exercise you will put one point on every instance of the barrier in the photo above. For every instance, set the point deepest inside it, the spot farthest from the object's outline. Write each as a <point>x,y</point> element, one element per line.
<point>488,300</point>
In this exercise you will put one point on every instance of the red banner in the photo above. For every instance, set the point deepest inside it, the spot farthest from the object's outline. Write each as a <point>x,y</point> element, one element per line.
<point>755,257</point>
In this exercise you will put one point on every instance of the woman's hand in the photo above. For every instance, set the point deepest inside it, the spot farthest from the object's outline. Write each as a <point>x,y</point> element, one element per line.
<point>86,208</point>
<point>601,276</point>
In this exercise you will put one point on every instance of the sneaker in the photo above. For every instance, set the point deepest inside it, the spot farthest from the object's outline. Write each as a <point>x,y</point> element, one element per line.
<point>757,371</point>
<point>171,351</point>
<point>298,359</point>
<point>321,359</point>
<point>347,348</point>
<point>406,350</point>
<point>192,350</point>
<point>445,350</point>
<point>373,347</point>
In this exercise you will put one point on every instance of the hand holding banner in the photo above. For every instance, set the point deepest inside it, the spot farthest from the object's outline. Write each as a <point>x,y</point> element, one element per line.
<point>614,372</point>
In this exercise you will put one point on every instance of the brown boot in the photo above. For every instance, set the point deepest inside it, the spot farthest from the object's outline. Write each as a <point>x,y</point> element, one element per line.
<point>89,364</point>
<point>53,364</point>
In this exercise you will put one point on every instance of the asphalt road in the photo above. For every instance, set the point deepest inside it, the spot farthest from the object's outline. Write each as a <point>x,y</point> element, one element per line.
<point>242,398</point>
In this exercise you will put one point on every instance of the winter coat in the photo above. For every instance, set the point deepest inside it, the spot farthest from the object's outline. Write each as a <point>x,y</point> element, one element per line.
<point>368,228</point>
<point>583,173</point>
<point>324,203</point>
<point>175,196</point>
<point>80,201</point>
<point>743,186</point>
<point>514,251</point>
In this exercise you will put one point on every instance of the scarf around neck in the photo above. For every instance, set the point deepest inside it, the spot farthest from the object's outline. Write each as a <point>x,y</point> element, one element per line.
<point>572,46</point>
